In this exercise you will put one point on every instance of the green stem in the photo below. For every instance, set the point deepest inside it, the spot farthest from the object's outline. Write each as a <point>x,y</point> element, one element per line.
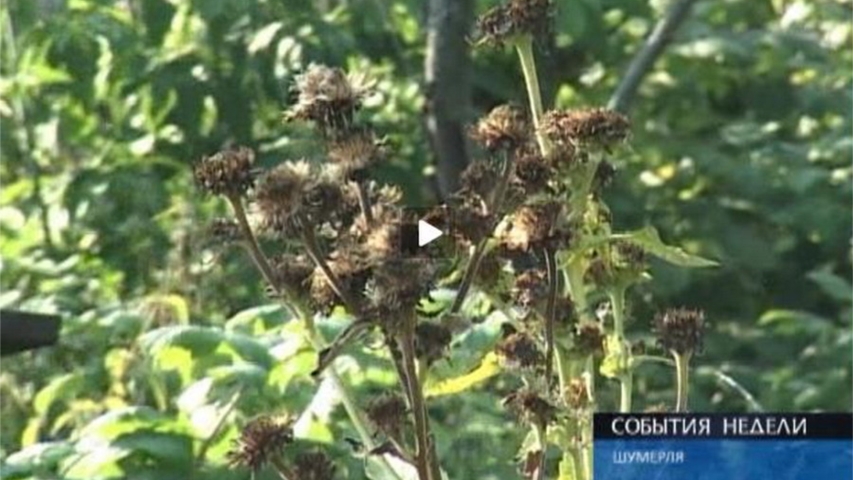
<point>586,421</point>
<point>626,379</point>
<point>550,312</point>
<point>524,47</point>
<point>682,380</point>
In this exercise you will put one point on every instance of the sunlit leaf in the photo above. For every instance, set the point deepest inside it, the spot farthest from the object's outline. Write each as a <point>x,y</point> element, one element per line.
<point>649,239</point>
<point>488,368</point>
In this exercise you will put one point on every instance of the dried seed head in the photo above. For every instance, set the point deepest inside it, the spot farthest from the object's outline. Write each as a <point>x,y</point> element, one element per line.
<point>327,97</point>
<point>354,153</point>
<point>588,127</point>
<point>504,128</point>
<point>589,339</point>
<point>388,414</point>
<point>604,173</point>
<point>503,23</point>
<point>280,193</point>
<point>313,466</point>
<point>471,223</point>
<point>228,172</point>
<point>350,267</point>
<point>431,341</point>
<point>520,351</point>
<point>490,272</point>
<point>293,273</point>
<point>397,286</point>
<point>530,408</point>
<point>577,394</point>
<point>532,173</point>
<point>680,330</point>
<point>260,439</point>
<point>534,227</point>
<point>479,178</point>
<point>531,288</point>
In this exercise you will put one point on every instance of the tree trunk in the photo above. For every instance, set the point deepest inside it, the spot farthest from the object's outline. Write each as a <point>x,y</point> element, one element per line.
<point>448,89</point>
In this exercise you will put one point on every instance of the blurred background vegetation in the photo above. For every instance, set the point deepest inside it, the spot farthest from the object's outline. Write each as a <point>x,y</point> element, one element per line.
<point>741,152</point>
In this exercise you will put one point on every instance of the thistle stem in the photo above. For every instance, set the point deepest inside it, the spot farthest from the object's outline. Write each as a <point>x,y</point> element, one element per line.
<point>682,373</point>
<point>364,203</point>
<point>539,433</point>
<point>524,47</point>
<point>626,379</point>
<point>426,463</point>
<point>309,240</point>
<point>259,259</point>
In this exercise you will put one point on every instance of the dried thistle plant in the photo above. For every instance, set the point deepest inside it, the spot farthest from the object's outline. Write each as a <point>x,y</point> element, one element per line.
<point>532,232</point>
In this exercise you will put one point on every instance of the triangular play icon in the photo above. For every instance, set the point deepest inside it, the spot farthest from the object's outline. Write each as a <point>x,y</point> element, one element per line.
<point>427,233</point>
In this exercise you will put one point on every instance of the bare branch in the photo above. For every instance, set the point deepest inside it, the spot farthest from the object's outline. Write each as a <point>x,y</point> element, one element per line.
<point>645,58</point>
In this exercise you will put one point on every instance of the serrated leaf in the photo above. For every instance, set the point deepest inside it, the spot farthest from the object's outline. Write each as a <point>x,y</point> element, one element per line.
<point>488,368</point>
<point>650,240</point>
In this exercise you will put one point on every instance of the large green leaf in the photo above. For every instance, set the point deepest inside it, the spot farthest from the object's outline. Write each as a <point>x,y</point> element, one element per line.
<point>650,240</point>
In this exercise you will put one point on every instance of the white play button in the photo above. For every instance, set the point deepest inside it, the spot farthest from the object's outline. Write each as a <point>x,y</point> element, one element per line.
<point>427,233</point>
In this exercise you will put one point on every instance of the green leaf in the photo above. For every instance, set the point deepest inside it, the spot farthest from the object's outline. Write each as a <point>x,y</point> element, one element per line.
<point>649,239</point>
<point>795,322</point>
<point>836,287</point>
<point>40,457</point>
<point>488,368</point>
<point>257,320</point>
<point>60,388</point>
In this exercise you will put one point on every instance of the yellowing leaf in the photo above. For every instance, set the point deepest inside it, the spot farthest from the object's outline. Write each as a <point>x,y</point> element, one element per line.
<point>488,368</point>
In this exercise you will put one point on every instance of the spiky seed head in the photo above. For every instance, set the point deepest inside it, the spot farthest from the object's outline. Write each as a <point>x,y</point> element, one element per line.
<point>313,466</point>
<point>387,414</point>
<point>577,394</point>
<point>353,154</point>
<point>228,172</point>
<point>589,339</point>
<point>431,341</point>
<point>293,273</point>
<point>328,97</point>
<point>529,407</point>
<point>504,128</point>
<point>504,23</point>
<point>223,231</point>
<point>260,439</point>
<point>280,193</point>
<point>680,330</point>
<point>587,127</point>
<point>520,351</point>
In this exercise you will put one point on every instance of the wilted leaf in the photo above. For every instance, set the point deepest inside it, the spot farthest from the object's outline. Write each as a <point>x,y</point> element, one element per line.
<point>488,368</point>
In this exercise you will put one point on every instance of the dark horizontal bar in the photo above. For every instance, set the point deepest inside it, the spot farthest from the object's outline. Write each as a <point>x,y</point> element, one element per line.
<point>723,425</point>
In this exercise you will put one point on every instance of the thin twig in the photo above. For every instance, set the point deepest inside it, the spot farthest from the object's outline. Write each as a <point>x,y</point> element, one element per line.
<point>645,58</point>
<point>309,241</point>
<point>259,258</point>
<point>364,203</point>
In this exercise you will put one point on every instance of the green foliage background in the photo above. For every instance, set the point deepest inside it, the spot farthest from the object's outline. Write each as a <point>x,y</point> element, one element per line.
<point>741,152</point>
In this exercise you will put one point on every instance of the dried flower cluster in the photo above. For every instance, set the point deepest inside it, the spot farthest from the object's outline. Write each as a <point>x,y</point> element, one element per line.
<point>506,21</point>
<point>530,215</point>
<point>680,330</point>
<point>262,439</point>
